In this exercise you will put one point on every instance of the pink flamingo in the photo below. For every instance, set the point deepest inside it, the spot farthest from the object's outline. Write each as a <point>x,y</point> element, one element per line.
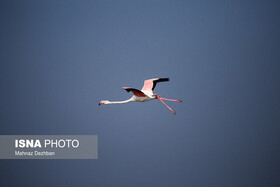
<point>146,94</point>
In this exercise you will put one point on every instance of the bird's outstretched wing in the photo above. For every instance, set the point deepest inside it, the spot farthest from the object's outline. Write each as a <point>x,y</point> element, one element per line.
<point>150,84</point>
<point>135,92</point>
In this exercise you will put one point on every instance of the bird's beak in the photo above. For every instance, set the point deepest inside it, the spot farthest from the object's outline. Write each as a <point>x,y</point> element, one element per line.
<point>99,104</point>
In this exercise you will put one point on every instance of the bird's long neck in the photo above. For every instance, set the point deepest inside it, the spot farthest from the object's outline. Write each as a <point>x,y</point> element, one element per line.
<point>120,102</point>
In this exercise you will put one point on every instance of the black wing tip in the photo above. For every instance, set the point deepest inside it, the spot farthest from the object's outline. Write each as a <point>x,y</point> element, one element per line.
<point>163,79</point>
<point>126,89</point>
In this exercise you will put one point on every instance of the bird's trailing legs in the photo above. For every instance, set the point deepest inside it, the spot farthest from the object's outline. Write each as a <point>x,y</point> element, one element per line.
<point>171,99</point>
<point>161,99</point>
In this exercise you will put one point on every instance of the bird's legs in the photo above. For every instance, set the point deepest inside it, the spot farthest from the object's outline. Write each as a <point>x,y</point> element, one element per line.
<point>165,104</point>
<point>171,99</point>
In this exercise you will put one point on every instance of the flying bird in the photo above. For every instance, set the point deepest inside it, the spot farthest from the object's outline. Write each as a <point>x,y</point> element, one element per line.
<point>146,94</point>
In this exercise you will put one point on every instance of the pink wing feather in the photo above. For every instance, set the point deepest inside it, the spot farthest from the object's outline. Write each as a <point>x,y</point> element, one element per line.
<point>150,84</point>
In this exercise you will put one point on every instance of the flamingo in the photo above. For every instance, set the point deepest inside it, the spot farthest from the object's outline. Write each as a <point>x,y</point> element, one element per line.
<point>146,94</point>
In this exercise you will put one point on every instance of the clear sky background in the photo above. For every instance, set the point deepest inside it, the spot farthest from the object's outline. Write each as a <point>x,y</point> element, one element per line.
<point>58,59</point>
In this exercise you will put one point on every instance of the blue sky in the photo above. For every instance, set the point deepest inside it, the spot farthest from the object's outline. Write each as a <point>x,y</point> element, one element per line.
<point>60,58</point>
